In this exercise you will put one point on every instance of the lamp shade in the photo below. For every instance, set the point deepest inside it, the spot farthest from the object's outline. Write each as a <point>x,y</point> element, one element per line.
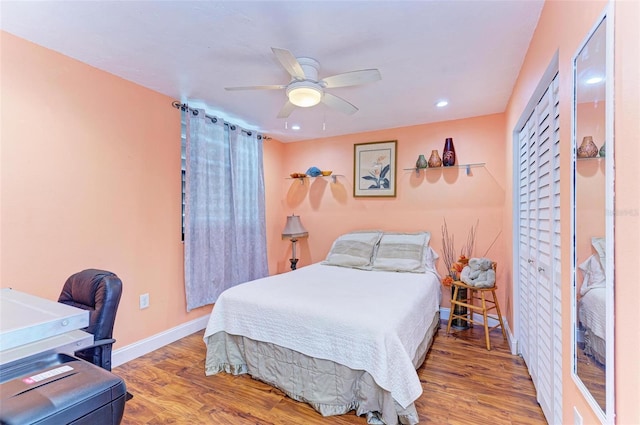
<point>294,228</point>
<point>304,94</point>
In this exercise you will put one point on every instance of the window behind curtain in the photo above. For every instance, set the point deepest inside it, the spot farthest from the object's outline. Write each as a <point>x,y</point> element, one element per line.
<point>224,207</point>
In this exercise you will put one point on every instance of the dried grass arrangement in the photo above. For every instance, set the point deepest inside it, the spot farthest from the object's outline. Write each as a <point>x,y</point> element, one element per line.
<point>455,266</point>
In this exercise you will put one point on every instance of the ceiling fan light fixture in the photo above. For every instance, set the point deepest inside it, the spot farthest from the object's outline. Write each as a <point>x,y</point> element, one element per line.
<point>304,94</point>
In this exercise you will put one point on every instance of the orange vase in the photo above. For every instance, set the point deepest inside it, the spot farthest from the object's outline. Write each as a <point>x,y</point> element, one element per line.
<point>434,159</point>
<point>587,149</point>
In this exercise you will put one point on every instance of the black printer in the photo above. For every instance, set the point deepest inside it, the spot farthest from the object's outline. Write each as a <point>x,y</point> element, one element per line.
<point>54,388</point>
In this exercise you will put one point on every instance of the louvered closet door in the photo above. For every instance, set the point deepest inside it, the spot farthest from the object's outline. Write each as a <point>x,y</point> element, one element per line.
<point>539,261</point>
<point>556,273</point>
<point>527,243</point>
<point>542,264</point>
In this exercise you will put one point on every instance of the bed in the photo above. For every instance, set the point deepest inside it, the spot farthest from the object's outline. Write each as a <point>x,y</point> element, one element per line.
<point>344,334</point>
<point>592,302</point>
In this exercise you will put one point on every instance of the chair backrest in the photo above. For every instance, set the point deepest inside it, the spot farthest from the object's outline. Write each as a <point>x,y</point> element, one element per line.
<point>97,291</point>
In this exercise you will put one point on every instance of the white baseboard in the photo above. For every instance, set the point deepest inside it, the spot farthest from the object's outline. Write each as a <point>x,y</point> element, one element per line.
<point>513,343</point>
<point>147,345</point>
<point>444,313</point>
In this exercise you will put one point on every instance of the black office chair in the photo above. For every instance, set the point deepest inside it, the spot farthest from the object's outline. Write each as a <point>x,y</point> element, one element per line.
<point>97,291</point>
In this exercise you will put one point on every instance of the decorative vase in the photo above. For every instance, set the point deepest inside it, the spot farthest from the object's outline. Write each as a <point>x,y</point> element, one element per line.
<point>434,159</point>
<point>603,151</point>
<point>421,162</point>
<point>459,310</point>
<point>448,153</point>
<point>587,149</point>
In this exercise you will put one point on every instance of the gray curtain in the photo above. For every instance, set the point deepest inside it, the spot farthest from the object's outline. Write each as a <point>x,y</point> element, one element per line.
<point>225,231</point>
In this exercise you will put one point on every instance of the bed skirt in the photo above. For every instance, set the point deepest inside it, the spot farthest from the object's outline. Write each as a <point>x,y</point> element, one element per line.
<point>330,388</point>
<point>595,347</point>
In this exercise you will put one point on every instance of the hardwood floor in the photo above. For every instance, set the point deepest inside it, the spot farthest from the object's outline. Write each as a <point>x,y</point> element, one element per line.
<point>463,384</point>
<point>593,375</point>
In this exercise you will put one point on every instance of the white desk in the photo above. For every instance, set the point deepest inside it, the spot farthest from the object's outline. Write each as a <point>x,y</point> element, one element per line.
<point>30,325</point>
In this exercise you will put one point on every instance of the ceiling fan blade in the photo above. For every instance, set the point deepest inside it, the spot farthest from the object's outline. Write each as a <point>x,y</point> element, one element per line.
<point>271,87</point>
<point>289,62</point>
<point>339,104</point>
<point>352,78</point>
<point>286,110</point>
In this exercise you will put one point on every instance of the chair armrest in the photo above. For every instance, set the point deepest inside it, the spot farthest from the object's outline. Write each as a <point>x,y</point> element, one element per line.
<point>100,343</point>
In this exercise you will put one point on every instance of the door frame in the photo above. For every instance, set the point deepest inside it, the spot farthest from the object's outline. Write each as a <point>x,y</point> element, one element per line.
<point>543,85</point>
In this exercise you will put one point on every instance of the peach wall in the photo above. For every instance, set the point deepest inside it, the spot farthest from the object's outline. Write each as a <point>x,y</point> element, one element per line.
<point>562,27</point>
<point>591,122</point>
<point>627,210</point>
<point>274,212</point>
<point>590,180</point>
<point>422,201</point>
<point>90,178</point>
<point>590,204</point>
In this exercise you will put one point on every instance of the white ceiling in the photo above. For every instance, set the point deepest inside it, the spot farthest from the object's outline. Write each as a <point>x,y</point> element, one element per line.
<point>468,52</point>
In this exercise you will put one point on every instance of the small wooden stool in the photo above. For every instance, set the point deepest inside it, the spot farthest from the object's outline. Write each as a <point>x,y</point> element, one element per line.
<point>468,303</point>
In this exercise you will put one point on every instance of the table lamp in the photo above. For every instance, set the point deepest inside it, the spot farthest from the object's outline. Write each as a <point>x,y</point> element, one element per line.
<point>293,230</point>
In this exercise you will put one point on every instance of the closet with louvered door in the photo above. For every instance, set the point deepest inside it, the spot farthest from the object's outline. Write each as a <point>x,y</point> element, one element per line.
<point>538,272</point>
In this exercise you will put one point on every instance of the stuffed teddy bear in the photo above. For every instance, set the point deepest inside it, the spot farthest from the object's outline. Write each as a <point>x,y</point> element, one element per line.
<point>479,273</point>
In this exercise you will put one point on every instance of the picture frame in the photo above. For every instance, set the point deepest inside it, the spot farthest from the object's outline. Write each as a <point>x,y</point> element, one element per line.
<point>374,169</point>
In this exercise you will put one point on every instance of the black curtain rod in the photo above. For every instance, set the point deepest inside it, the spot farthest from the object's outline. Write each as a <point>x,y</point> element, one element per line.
<point>185,107</point>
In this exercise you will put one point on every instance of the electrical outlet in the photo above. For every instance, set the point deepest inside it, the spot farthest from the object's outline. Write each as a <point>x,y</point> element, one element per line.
<point>144,301</point>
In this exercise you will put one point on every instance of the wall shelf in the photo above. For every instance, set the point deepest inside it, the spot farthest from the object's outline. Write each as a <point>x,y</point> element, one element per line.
<point>333,178</point>
<point>590,159</point>
<point>465,166</point>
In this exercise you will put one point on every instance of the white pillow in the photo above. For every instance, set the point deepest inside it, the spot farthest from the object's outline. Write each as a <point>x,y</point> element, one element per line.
<point>354,250</point>
<point>402,252</point>
<point>593,274</point>
<point>430,257</point>
<point>600,247</point>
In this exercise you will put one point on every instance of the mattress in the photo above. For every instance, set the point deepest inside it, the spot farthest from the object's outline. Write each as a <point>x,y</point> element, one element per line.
<point>370,321</point>
<point>592,316</point>
<point>330,388</point>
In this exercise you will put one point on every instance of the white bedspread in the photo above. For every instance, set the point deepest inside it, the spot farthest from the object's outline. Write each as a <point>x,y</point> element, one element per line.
<point>366,320</point>
<point>593,314</point>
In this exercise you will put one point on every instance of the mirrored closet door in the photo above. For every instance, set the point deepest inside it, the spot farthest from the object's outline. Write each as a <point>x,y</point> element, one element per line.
<point>592,199</point>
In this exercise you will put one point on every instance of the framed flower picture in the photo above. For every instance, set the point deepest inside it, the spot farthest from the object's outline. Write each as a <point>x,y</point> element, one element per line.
<point>374,169</point>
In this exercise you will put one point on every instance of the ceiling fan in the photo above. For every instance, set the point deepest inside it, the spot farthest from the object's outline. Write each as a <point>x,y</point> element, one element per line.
<point>305,90</point>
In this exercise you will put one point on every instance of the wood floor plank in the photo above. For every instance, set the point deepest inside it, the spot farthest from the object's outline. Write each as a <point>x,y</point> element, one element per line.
<point>593,375</point>
<point>462,382</point>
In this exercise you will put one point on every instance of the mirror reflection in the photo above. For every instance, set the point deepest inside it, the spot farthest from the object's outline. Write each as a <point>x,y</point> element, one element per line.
<point>590,218</point>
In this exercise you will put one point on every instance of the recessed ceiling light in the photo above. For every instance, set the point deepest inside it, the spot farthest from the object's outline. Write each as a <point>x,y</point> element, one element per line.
<point>295,127</point>
<point>442,104</point>
<point>594,80</point>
